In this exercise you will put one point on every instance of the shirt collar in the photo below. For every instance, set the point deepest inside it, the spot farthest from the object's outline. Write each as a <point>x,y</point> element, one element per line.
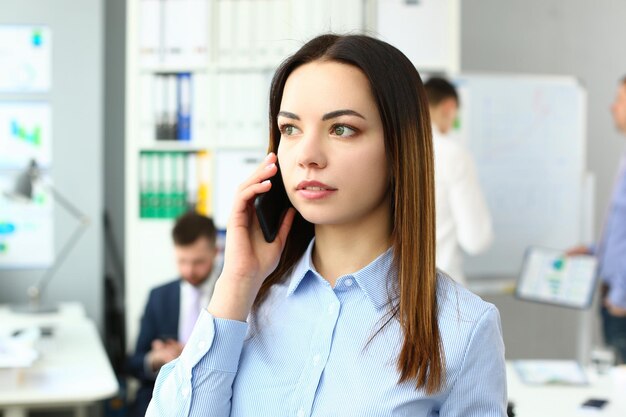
<point>207,286</point>
<point>302,268</point>
<point>378,278</point>
<point>375,279</point>
<point>437,134</point>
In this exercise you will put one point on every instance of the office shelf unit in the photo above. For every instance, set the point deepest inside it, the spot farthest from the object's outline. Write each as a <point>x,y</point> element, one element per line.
<point>197,83</point>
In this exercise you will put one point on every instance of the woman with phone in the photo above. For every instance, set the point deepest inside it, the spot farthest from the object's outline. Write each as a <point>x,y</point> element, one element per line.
<point>344,312</point>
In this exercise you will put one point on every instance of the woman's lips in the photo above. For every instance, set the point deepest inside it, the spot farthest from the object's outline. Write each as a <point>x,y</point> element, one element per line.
<point>314,190</point>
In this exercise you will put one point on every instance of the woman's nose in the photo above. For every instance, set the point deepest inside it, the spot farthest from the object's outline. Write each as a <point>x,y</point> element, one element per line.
<point>312,150</point>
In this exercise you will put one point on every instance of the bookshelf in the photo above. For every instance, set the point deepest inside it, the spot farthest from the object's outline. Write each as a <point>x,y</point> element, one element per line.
<point>198,75</point>
<point>197,82</point>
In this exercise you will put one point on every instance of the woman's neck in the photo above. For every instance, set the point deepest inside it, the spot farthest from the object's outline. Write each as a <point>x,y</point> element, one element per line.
<point>341,250</point>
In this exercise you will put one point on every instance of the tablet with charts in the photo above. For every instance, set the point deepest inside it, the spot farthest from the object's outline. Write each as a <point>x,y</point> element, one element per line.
<point>549,276</point>
<point>551,372</point>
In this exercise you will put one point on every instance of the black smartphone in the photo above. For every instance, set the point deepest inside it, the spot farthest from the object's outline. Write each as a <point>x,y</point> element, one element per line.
<point>594,403</point>
<point>271,207</point>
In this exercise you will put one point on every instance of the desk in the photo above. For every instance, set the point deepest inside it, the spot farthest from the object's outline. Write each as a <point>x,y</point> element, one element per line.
<point>73,369</point>
<point>559,400</point>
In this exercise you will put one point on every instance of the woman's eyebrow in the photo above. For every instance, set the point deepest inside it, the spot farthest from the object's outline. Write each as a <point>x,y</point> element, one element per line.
<point>338,113</point>
<point>327,116</point>
<point>289,115</point>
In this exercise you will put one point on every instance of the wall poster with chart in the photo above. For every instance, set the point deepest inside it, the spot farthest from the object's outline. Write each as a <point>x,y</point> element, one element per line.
<point>26,225</point>
<point>25,58</point>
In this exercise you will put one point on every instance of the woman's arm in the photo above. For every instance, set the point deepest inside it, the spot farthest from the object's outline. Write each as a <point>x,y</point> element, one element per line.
<point>200,381</point>
<point>248,258</point>
<point>480,388</point>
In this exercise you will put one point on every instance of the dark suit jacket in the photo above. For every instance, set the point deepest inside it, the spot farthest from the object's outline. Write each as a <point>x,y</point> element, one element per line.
<point>159,321</point>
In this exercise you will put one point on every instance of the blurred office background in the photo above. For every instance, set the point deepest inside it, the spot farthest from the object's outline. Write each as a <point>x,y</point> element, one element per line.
<point>574,38</point>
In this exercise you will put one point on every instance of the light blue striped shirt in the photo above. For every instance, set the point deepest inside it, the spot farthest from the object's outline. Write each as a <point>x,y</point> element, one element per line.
<point>612,249</point>
<point>306,353</point>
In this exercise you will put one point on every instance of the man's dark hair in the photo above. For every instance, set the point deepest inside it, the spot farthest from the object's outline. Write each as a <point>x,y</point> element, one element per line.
<point>439,89</point>
<point>190,227</point>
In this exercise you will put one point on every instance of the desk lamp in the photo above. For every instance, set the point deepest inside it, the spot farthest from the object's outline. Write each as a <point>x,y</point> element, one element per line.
<point>24,190</point>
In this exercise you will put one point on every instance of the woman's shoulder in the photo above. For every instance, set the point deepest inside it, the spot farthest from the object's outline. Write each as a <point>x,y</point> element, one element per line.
<point>468,326</point>
<point>458,304</point>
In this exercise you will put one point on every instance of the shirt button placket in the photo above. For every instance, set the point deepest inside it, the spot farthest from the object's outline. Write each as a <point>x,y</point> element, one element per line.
<point>322,339</point>
<point>331,309</point>
<point>316,359</point>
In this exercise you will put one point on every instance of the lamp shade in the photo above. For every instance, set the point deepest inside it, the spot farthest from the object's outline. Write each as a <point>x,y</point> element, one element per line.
<point>24,181</point>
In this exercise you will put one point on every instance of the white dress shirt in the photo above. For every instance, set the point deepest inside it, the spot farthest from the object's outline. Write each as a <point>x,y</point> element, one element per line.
<point>463,219</point>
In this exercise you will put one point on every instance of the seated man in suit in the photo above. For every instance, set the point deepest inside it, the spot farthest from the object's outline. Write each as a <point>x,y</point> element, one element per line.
<point>173,308</point>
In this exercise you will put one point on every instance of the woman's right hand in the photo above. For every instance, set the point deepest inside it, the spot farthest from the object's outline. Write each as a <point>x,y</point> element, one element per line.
<point>248,258</point>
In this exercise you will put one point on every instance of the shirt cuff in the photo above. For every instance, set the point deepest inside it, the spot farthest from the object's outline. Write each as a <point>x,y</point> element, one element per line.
<point>147,367</point>
<point>617,295</point>
<point>592,248</point>
<point>215,343</point>
<point>227,345</point>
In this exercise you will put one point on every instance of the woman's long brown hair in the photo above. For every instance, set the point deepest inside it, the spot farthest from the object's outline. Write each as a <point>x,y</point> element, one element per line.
<point>399,94</point>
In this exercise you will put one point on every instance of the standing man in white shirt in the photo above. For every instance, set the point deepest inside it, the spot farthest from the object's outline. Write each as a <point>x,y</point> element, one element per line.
<point>463,221</point>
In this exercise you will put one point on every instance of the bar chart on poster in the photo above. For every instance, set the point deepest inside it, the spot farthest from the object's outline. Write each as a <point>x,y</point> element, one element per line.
<point>26,222</point>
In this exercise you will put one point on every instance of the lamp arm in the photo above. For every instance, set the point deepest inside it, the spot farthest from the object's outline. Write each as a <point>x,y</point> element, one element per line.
<point>43,281</point>
<point>67,205</point>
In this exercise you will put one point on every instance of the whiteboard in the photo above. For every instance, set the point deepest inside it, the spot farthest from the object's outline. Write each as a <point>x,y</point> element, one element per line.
<point>527,135</point>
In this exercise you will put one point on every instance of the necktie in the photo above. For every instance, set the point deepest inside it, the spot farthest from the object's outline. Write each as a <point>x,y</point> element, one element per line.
<point>192,310</point>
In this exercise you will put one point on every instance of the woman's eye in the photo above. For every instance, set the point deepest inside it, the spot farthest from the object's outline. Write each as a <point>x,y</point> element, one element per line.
<point>343,131</point>
<point>289,130</point>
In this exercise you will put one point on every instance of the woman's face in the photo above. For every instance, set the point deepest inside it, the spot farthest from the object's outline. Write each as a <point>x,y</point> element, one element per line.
<point>332,150</point>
